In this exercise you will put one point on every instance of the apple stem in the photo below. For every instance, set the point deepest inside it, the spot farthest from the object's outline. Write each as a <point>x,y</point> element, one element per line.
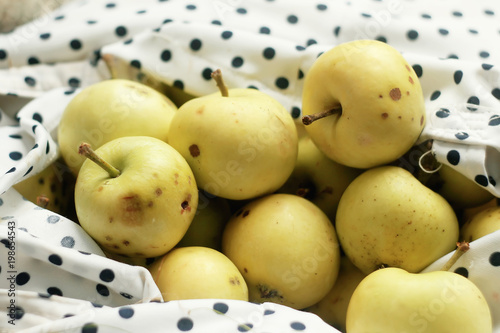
<point>462,247</point>
<point>42,201</point>
<point>85,150</point>
<point>309,119</point>
<point>217,76</point>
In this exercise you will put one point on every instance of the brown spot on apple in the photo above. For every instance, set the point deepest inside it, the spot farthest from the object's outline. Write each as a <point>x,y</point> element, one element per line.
<point>421,120</point>
<point>245,270</point>
<point>108,238</point>
<point>126,243</point>
<point>194,150</point>
<point>327,190</point>
<point>408,68</point>
<point>411,80</point>
<point>110,220</point>
<point>395,94</point>
<point>150,204</point>
<point>234,281</point>
<point>100,188</point>
<point>385,115</point>
<point>132,203</point>
<point>158,192</point>
<point>185,205</point>
<point>245,213</point>
<point>200,110</point>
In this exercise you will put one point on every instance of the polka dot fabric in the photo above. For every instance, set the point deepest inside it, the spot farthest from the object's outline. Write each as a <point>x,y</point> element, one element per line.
<point>64,282</point>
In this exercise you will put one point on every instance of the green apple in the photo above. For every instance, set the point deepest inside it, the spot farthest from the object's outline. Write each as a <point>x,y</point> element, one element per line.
<point>460,191</point>
<point>240,143</point>
<point>481,224</point>
<point>318,178</point>
<point>197,272</point>
<point>333,307</point>
<point>363,104</point>
<point>392,300</point>
<point>108,110</point>
<point>208,224</point>
<point>139,197</point>
<point>386,217</point>
<point>286,249</point>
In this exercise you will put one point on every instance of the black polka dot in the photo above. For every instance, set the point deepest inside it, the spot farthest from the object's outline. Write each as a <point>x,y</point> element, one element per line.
<point>216,22</point>
<point>30,81</point>
<point>237,62</point>
<point>126,312</point>
<point>461,135</point>
<point>336,31</point>
<point>300,48</point>
<point>457,14</point>
<point>90,22</point>
<point>84,253</point>
<point>473,31</point>
<point>47,147</point>
<point>45,36</point>
<point>58,18</point>
<point>120,31</point>
<point>22,278</point>
<point>96,305</point>
<point>268,312</point>
<point>68,241</point>
<point>18,312</point>
<point>34,128</point>
<point>102,290</point>
<point>457,76</point>
<point>366,15</point>
<point>185,324</point>
<point>292,19</point>
<point>496,93</point>
<point>484,54</point>
<point>166,55</point>
<point>89,328</point>
<point>33,61</point>
<point>15,155</point>
<point>75,44</point>
<point>54,291</point>
<point>462,271</point>
<point>3,54</point>
<point>495,259</point>
<point>412,34</point>
<point>486,67</point>
<point>481,180</point>
<point>282,83</point>
<point>127,296</point>
<point>10,170</point>
<point>107,275</point>
<point>74,82</point>
<point>38,117</point>
<point>452,56</point>
<point>494,120</point>
<point>321,7</point>
<point>443,32</point>
<point>381,39</point>
<point>269,53</point>
<point>221,307</point>
<point>245,327</point>
<point>195,44</point>
<point>191,7</point>
<point>489,12</point>
<point>241,10</point>
<point>453,157</point>
<point>297,326</point>
<point>264,30</point>
<point>435,95</point>
<point>31,167</point>
<point>143,11</point>
<point>295,112</point>
<point>226,34</point>
<point>55,259</point>
<point>473,100</point>
<point>492,181</point>
<point>136,64</point>
<point>207,73</point>
<point>44,295</point>
<point>178,84</point>
<point>426,16</point>
<point>418,70</point>
<point>110,5</point>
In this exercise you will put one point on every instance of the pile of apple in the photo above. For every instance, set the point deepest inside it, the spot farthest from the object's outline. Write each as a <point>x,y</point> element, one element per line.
<point>231,198</point>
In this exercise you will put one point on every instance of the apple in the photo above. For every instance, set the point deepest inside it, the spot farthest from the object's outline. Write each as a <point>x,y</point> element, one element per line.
<point>108,110</point>
<point>362,104</point>
<point>481,224</point>
<point>285,247</point>
<point>318,178</point>
<point>386,217</point>
<point>392,300</point>
<point>333,307</point>
<point>135,196</point>
<point>240,143</point>
<point>197,272</point>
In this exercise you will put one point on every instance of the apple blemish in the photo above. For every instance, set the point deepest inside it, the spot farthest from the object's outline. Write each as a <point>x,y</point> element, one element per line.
<point>395,94</point>
<point>194,150</point>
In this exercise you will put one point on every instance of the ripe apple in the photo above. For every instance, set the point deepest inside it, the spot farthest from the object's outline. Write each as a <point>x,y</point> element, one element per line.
<point>392,300</point>
<point>197,272</point>
<point>481,224</point>
<point>108,110</point>
<point>333,307</point>
<point>286,249</point>
<point>362,103</point>
<point>138,198</point>
<point>318,178</point>
<point>240,143</point>
<point>386,217</point>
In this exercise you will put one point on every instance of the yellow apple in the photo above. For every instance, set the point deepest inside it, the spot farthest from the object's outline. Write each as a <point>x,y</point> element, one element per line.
<point>481,224</point>
<point>363,104</point>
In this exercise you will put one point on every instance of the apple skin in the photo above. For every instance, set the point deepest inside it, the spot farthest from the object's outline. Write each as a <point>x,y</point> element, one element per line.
<point>286,249</point>
<point>383,109</point>
<point>386,217</point>
<point>481,224</point>
<point>197,272</point>
<point>240,146</point>
<point>108,110</point>
<point>392,300</point>
<point>146,210</point>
